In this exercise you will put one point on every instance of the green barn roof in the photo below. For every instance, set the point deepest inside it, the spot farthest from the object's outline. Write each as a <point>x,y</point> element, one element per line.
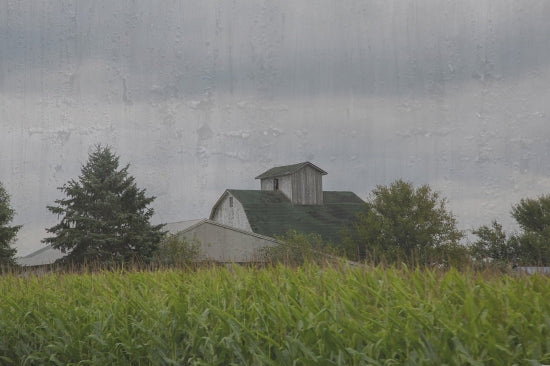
<point>271,213</point>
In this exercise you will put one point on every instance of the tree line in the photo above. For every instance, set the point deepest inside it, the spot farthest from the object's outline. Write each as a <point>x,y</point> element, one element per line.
<point>402,223</point>
<point>105,218</point>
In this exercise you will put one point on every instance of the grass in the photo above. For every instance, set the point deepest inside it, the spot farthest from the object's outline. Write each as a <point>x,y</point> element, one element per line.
<point>275,316</point>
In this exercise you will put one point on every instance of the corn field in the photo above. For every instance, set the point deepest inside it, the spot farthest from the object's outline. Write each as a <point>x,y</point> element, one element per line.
<point>309,315</point>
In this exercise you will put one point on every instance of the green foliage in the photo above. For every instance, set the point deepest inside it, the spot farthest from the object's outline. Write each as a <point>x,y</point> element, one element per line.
<point>493,246</point>
<point>403,223</point>
<point>105,218</point>
<point>296,248</point>
<point>7,233</point>
<point>275,316</point>
<point>451,255</point>
<point>533,248</point>
<point>533,217</point>
<point>176,250</point>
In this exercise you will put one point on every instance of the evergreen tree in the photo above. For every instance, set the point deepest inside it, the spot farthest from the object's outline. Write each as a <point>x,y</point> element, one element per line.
<point>7,233</point>
<point>105,217</point>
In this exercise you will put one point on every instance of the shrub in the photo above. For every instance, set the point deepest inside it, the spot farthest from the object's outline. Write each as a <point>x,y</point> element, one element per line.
<point>296,248</point>
<point>176,250</point>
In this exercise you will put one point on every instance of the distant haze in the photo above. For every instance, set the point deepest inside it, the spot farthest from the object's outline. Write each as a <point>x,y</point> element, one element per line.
<point>200,96</point>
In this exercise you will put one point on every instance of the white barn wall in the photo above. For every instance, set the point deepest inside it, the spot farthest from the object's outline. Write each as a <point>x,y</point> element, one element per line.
<point>232,216</point>
<point>225,244</point>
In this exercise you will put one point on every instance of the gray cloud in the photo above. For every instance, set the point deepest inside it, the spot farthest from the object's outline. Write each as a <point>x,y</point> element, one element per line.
<point>200,96</point>
<point>184,49</point>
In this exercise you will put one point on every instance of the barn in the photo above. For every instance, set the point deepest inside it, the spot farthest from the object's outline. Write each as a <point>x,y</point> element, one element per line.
<point>291,197</point>
<point>241,222</point>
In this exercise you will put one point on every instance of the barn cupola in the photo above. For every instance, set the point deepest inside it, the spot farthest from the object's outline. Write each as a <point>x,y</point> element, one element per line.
<point>302,183</point>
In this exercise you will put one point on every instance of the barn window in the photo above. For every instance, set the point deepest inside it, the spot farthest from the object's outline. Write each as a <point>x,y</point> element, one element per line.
<point>230,201</point>
<point>276,184</point>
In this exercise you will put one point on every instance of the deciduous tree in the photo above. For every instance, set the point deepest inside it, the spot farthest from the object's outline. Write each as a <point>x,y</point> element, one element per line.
<point>401,222</point>
<point>533,217</point>
<point>494,245</point>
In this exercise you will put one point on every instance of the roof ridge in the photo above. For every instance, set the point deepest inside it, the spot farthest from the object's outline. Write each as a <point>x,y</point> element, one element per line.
<point>288,169</point>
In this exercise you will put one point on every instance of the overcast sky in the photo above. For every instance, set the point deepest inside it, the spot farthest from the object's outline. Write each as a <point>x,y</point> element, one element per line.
<point>200,96</point>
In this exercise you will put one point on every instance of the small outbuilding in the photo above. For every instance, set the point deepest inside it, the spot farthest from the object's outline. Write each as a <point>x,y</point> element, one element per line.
<point>42,257</point>
<point>222,243</point>
<point>301,183</point>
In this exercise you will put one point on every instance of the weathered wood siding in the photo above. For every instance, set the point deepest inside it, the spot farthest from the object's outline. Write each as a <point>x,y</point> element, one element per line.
<point>307,187</point>
<point>285,185</point>
<point>232,216</point>
<point>267,184</point>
